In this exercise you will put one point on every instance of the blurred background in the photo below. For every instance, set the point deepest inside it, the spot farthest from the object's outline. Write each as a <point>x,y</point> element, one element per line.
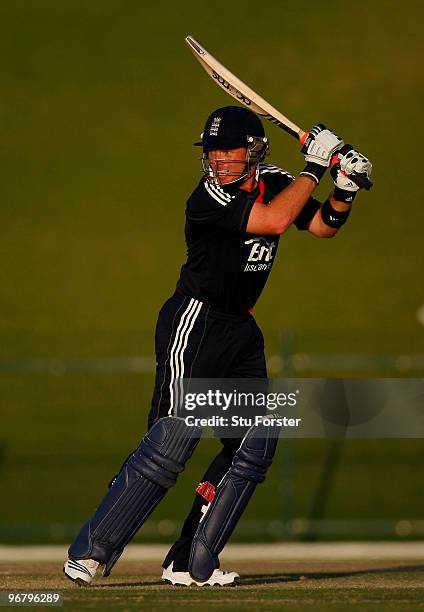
<point>100,104</point>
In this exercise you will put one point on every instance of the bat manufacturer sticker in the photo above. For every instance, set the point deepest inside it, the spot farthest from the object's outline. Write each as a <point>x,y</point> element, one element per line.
<point>232,90</point>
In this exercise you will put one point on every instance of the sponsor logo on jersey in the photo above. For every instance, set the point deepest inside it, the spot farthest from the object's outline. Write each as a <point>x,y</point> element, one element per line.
<point>261,254</point>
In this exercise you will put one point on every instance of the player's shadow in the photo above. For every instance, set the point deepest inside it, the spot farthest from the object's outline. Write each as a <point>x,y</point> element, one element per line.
<point>117,585</point>
<point>256,579</point>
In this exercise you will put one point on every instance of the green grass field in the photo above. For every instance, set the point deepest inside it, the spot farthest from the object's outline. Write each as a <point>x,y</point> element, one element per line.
<point>322,586</point>
<point>100,102</point>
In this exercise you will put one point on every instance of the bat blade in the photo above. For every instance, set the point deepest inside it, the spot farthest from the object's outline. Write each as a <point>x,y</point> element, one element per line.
<point>240,91</point>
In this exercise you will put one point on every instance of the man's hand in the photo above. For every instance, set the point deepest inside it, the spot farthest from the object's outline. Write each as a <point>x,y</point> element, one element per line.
<point>318,149</point>
<point>350,161</point>
<point>320,145</point>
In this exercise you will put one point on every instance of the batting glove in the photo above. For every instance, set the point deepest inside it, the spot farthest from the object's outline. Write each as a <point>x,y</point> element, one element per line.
<point>349,162</point>
<point>319,147</point>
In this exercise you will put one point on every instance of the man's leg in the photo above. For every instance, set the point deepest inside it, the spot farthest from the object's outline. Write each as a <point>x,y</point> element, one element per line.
<point>152,468</point>
<point>247,361</point>
<point>180,551</point>
<point>145,478</point>
<point>232,495</point>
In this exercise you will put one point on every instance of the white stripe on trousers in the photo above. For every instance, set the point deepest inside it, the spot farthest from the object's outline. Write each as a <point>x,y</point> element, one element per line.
<point>176,358</point>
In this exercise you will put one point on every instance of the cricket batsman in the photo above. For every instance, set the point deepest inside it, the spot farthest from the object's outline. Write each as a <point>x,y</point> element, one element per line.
<point>234,219</point>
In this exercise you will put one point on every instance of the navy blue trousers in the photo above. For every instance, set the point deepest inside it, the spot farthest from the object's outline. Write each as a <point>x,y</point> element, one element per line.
<point>194,340</point>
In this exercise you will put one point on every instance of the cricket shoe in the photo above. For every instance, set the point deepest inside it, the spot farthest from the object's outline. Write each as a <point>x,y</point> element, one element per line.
<point>82,571</point>
<point>218,578</point>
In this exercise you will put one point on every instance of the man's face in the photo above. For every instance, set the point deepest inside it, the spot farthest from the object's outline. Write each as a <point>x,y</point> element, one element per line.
<point>227,164</point>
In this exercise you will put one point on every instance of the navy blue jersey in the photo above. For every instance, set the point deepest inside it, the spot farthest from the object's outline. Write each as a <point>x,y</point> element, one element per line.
<point>227,267</point>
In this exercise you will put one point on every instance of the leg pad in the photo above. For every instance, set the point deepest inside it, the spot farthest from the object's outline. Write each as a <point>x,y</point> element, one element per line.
<point>233,493</point>
<point>143,481</point>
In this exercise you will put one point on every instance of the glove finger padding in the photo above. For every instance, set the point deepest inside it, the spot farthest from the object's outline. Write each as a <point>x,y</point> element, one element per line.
<point>320,145</point>
<point>311,135</point>
<point>350,161</point>
<point>353,161</point>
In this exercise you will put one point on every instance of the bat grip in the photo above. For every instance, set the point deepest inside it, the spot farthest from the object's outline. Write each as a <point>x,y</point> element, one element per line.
<point>359,179</point>
<point>302,137</point>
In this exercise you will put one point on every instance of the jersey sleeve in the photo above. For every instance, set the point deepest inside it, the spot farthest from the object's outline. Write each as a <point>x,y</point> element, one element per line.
<point>305,216</point>
<point>224,207</point>
<point>278,179</point>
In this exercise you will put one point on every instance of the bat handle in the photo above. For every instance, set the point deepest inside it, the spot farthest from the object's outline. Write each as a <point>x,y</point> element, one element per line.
<point>359,179</point>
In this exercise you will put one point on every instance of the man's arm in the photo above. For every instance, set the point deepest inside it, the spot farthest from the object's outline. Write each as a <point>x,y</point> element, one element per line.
<point>277,216</point>
<point>317,226</point>
<point>334,212</point>
<point>331,215</point>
